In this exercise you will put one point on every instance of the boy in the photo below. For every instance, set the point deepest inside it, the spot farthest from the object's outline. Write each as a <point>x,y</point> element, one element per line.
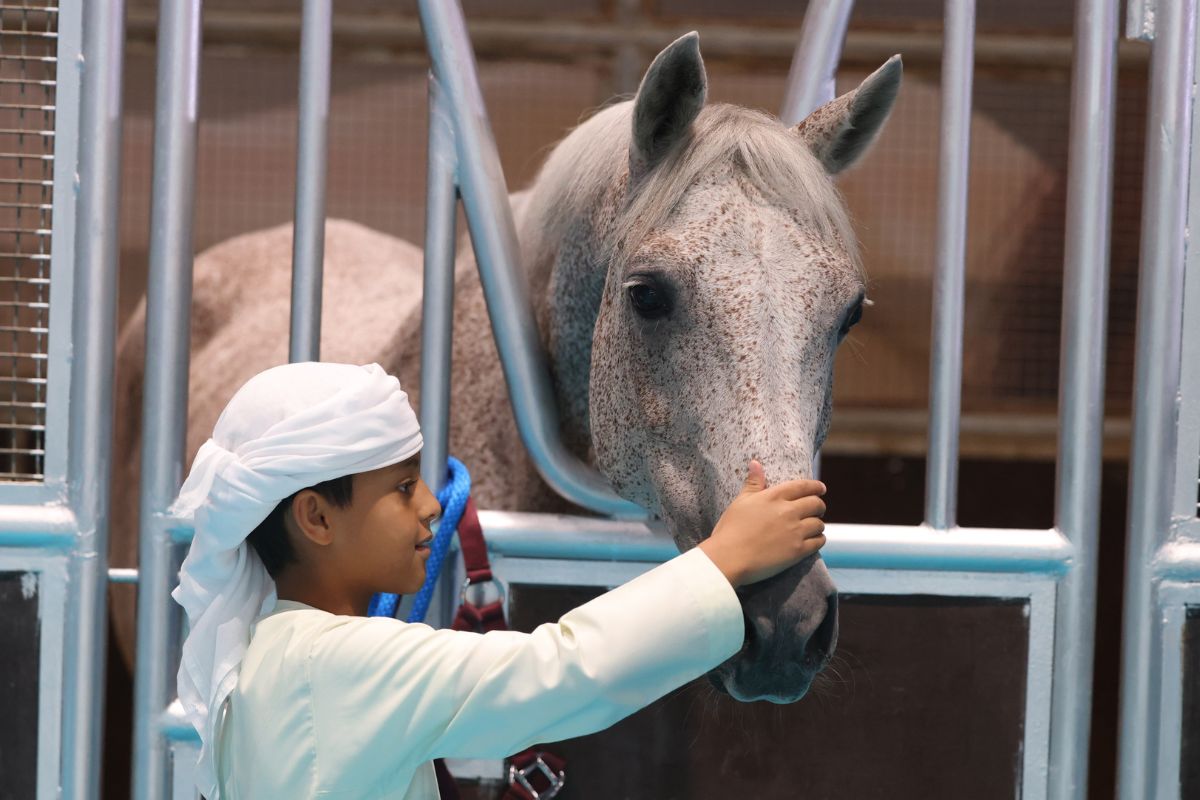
<point>307,500</point>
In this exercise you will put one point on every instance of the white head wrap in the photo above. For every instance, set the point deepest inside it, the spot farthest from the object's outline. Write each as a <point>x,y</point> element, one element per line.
<point>286,429</point>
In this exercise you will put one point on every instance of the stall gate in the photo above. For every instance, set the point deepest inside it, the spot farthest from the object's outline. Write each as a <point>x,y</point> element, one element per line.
<point>53,525</point>
<point>1159,753</point>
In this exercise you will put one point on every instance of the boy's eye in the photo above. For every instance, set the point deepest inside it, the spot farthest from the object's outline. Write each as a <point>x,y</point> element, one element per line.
<point>406,487</point>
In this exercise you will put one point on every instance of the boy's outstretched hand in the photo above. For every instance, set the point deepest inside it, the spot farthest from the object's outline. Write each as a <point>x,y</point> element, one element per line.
<point>766,530</point>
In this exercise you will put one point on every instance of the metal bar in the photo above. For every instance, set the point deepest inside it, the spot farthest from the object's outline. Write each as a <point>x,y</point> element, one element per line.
<point>945,390</point>
<point>122,575</point>
<point>1081,394</point>
<point>25,107</point>
<point>505,286</point>
<point>1139,19</point>
<point>164,403</point>
<point>811,79</point>
<point>23,182</point>
<point>37,526</point>
<point>90,428</point>
<point>393,35</point>
<point>20,329</point>
<point>24,281</point>
<point>437,321</point>
<point>1169,136</point>
<point>46,59</point>
<point>893,547</point>
<point>19,132</point>
<point>40,206</point>
<point>308,234</point>
<point>28,156</point>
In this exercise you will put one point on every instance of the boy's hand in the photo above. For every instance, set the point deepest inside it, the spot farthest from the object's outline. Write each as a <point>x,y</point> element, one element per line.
<point>766,530</point>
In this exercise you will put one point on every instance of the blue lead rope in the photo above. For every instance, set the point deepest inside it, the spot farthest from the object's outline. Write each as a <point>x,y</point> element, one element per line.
<point>453,498</point>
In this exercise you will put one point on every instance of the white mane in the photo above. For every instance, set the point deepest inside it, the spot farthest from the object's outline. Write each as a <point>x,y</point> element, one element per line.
<point>595,157</point>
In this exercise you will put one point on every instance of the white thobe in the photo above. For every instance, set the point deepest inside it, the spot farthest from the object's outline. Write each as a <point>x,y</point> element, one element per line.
<point>354,707</point>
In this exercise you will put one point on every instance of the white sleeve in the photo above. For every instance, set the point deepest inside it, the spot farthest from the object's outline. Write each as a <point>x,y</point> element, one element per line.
<point>392,689</point>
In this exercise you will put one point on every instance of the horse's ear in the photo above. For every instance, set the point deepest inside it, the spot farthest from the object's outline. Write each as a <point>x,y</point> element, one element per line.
<point>671,95</point>
<point>839,132</point>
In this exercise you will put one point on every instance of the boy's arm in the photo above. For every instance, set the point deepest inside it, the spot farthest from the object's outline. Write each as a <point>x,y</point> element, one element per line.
<point>418,693</point>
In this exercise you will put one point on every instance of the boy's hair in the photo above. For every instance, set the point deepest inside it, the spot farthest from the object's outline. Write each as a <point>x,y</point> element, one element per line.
<point>270,539</point>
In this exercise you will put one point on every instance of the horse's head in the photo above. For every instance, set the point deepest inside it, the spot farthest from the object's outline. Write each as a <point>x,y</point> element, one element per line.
<point>720,273</point>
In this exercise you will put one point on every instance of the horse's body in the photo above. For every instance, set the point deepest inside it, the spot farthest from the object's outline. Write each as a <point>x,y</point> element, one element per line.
<point>692,271</point>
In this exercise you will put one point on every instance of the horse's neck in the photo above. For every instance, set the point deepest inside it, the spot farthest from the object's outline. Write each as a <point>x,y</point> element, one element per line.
<point>568,285</point>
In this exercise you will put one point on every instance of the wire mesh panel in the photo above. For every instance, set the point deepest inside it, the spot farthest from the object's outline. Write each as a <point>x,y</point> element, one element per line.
<point>28,44</point>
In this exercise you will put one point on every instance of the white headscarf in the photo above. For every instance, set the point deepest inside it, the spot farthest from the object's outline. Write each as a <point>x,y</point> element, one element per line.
<point>286,429</point>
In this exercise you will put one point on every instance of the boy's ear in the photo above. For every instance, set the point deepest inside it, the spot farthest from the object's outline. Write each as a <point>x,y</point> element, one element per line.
<point>310,518</point>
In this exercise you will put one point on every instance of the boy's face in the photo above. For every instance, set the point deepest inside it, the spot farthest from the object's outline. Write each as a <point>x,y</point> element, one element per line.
<point>384,532</point>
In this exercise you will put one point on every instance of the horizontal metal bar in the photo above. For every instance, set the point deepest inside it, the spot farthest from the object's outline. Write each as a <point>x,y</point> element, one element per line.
<point>26,107</point>
<point>393,33</point>
<point>39,232</point>
<point>36,526</point>
<point>955,550</point>
<point>27,451</point>
<point>897,547</point>
<point>43,59</point>
<point>528,535</point>
<point>22,380</point>
<point>1178,560</point>
<point>21,477</point>
<point>122,575</point>
<point>25,182</point>
<point>20,404</point>
<point>26,9</point>
<point>31,34</point>
<point>27,256</point>
<point>23,303</point>
<point>30,281</point>
<point>47,134</point>
<point>34,356</point>
<point>31,206</point>
<point>28,156</point>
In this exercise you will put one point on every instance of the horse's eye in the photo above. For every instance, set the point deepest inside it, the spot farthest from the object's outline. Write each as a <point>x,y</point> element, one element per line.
<point>649,301</point>
<point>852,319</point>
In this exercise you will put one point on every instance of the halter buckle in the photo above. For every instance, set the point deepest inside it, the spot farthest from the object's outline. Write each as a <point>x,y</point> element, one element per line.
<point>519,776</point>
<point>467,585</point>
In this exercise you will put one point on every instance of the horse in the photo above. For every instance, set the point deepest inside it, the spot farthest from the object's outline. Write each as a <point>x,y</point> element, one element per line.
<point>693,270</point>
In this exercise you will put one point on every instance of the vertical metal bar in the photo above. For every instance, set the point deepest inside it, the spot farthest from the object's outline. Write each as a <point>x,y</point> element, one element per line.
<point>437,321</point>
<point>505,287</point>
<point>165,392</point>
<point>1081,385</point>
<point>90,437</point>
<point>308,236</point>
<point>811,79</point>
<point>945,391</point>
<point>1139,19</point>
<point>1156,386</point>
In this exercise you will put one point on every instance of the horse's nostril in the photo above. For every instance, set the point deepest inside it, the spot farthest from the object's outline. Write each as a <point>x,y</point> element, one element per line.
<point>820,645</point>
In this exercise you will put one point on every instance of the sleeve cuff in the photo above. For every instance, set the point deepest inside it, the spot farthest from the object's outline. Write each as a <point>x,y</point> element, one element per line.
<point>716,603</point>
